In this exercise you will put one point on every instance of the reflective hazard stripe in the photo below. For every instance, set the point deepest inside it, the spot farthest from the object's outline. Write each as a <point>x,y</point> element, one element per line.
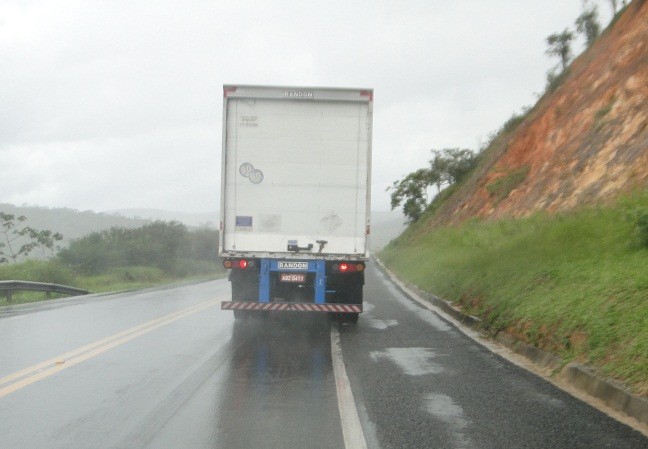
<point>289,306</point>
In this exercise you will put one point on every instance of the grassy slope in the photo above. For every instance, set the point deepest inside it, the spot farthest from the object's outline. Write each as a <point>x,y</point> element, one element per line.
<point>575,284</point>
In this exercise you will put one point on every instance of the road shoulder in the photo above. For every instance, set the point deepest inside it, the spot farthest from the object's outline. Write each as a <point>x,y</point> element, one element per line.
<point>575,379</point>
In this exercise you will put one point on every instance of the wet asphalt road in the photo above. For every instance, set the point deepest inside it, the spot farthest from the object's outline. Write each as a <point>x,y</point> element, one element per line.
<point>168,369</point>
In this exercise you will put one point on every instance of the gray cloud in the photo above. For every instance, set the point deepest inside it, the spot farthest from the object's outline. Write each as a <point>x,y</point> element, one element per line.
<point>115,104</point>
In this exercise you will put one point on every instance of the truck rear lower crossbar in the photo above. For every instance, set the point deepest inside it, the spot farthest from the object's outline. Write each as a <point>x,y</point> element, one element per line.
<point>291,306</point>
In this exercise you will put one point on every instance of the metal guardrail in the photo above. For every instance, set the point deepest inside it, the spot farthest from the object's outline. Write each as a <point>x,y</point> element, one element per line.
<point>10,286</point>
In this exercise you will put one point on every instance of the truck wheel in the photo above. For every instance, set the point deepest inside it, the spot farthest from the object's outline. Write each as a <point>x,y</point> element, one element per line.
<point>241,314</point>
<point>349,318</point>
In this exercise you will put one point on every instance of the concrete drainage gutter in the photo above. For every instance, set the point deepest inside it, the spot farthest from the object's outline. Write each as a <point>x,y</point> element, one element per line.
<point>578,376</point>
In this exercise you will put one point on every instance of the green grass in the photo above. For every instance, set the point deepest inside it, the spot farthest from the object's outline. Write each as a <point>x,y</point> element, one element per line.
<point>125,278</point>
<point>116,279</point>
<point>503,186</point>
<point>555,80</point>
<point>37,271</point>
<point>575,284</point>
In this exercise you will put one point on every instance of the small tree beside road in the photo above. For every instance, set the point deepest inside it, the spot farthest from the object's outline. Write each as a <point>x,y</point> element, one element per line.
<point>18,241</point>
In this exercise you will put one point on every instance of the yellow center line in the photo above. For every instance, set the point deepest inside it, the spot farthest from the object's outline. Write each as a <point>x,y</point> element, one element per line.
<point>54,365</point>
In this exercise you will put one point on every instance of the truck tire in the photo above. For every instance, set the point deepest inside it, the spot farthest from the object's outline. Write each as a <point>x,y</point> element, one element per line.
<point>351,318</point>
<point>241,314</point>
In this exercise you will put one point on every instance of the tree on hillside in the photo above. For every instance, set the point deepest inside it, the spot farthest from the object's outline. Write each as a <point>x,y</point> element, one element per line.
<point>560,45</point>
<point>447,167</point>
<point>16,241</point>
<point>450,165</point>
<point>614,4</point>
<point>587,24</point>
<point>411,192</point>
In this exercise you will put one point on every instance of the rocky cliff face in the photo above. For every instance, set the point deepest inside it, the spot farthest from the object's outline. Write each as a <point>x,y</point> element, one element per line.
<point>584,143</point>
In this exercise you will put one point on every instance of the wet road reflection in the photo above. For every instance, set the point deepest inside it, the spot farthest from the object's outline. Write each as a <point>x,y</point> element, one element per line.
<point>280,389</point>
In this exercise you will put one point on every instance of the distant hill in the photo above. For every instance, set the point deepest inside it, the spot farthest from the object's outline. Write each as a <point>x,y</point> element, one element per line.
<point>202,219</point>
<point>71,223</point>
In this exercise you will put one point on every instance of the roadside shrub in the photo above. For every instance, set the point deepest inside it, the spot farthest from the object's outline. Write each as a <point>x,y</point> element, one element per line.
<point>137,274</point>
<point>123,278</point>
<point>160,244</point>
<point>51,272</point>
<point>514,121</point>
<point>201,244</point>
<point>554,80</point>
<point>641,227</point>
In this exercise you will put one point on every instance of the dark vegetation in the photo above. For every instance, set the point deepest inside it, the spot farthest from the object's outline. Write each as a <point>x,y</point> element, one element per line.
<point>447,167</point>
<point>588,25</point>
<point>116,258</point>
<point>560,45</point>
<point>640,219</point>
<point>168,246</point>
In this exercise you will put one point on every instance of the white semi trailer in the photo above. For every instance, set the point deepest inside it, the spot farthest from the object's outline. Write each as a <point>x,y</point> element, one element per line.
<point>295,198</point>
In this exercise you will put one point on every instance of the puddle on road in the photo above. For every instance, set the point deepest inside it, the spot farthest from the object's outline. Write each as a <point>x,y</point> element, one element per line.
<point>367,307</point>
<point>413,361</point>
<point>444,409</point>
<point>380,324</point>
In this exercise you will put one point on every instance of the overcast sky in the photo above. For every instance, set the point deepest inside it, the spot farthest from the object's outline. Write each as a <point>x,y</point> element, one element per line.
<point>117,104</point>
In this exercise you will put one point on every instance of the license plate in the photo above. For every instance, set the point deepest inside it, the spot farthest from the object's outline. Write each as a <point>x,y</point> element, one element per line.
<point>292,277</point>
<point>293,265</point>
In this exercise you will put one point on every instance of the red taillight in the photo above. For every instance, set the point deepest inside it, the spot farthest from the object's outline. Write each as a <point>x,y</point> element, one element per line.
<point>348,267</point>
<point>242,264</point>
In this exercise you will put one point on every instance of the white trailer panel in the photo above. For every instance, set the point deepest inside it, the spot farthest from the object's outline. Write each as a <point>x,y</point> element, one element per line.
<point>296,169</point>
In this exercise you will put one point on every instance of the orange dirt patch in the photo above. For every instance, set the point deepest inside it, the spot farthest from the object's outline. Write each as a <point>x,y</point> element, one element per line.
<point>584,143</point>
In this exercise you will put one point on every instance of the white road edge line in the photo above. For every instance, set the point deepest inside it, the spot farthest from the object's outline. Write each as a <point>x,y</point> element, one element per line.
<point>351,427</point>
